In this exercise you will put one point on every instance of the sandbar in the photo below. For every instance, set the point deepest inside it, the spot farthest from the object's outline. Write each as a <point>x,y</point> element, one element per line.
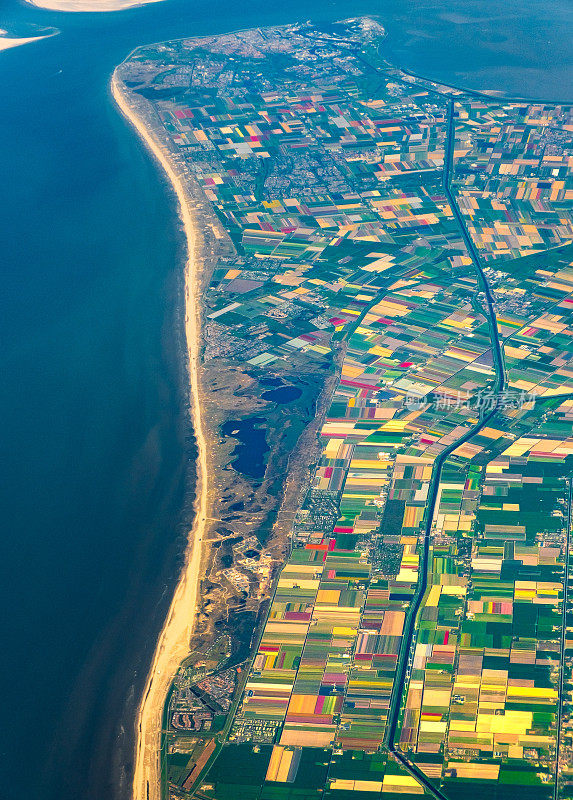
<point>173,644</point>
<point>6,42</point>
<point>89,5</point>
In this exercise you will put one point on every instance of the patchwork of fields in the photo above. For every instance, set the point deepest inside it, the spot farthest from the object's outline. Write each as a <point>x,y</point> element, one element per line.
<point>418,239</point>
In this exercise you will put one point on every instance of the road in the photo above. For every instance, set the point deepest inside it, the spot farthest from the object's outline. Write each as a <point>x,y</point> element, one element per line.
<point>406,653</point>
<point>563,636</point>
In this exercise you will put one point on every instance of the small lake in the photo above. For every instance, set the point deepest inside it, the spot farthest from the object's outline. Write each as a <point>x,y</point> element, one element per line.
<point>283,394</point>
<point>249,454</point>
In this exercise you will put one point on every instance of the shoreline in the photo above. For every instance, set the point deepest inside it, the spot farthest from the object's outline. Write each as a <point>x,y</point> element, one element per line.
<point>147,770</point>
<point>89,6</point>
<point>173,643</point>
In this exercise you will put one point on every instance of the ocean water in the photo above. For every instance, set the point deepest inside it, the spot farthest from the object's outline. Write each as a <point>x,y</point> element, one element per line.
<point>97,457</point>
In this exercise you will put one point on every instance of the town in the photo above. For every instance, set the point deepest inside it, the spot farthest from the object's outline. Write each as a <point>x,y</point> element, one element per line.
<point>418,239</point>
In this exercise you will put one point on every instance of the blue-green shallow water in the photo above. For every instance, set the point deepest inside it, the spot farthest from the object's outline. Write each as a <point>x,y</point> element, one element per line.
<point>94,444</point>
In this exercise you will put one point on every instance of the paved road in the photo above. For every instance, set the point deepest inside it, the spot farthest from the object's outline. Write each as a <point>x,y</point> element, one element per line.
<point>406,654</point>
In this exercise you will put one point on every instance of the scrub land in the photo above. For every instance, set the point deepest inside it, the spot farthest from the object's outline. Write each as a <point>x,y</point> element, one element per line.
<point>383,373</point>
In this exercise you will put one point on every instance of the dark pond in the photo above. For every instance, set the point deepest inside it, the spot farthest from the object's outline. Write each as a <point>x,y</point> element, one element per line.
<point>283,394</point>
<point>249,454</point>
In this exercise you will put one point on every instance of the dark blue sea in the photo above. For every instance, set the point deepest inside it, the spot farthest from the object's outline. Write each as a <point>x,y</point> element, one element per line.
<point>96,455</point>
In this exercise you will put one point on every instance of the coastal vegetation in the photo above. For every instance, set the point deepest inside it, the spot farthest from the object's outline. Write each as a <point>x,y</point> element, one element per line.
<point>379,562</point>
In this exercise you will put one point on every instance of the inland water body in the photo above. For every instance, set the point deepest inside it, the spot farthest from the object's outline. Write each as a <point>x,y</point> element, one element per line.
<point>249,454</point>
<point>97,458</point>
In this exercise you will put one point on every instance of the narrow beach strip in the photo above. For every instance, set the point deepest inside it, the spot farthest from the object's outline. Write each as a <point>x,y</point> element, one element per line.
<point>173,644</point>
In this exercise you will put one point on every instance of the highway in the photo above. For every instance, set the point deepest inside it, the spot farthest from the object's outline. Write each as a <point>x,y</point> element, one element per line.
<point>408,641</point>
<point>562,647</point>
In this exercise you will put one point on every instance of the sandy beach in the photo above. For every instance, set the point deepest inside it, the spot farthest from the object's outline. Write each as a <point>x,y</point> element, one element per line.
<point>173,643</point>
<point>89,5</point>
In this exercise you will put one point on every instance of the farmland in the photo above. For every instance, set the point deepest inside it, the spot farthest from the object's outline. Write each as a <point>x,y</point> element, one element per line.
<point>415,242</point>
